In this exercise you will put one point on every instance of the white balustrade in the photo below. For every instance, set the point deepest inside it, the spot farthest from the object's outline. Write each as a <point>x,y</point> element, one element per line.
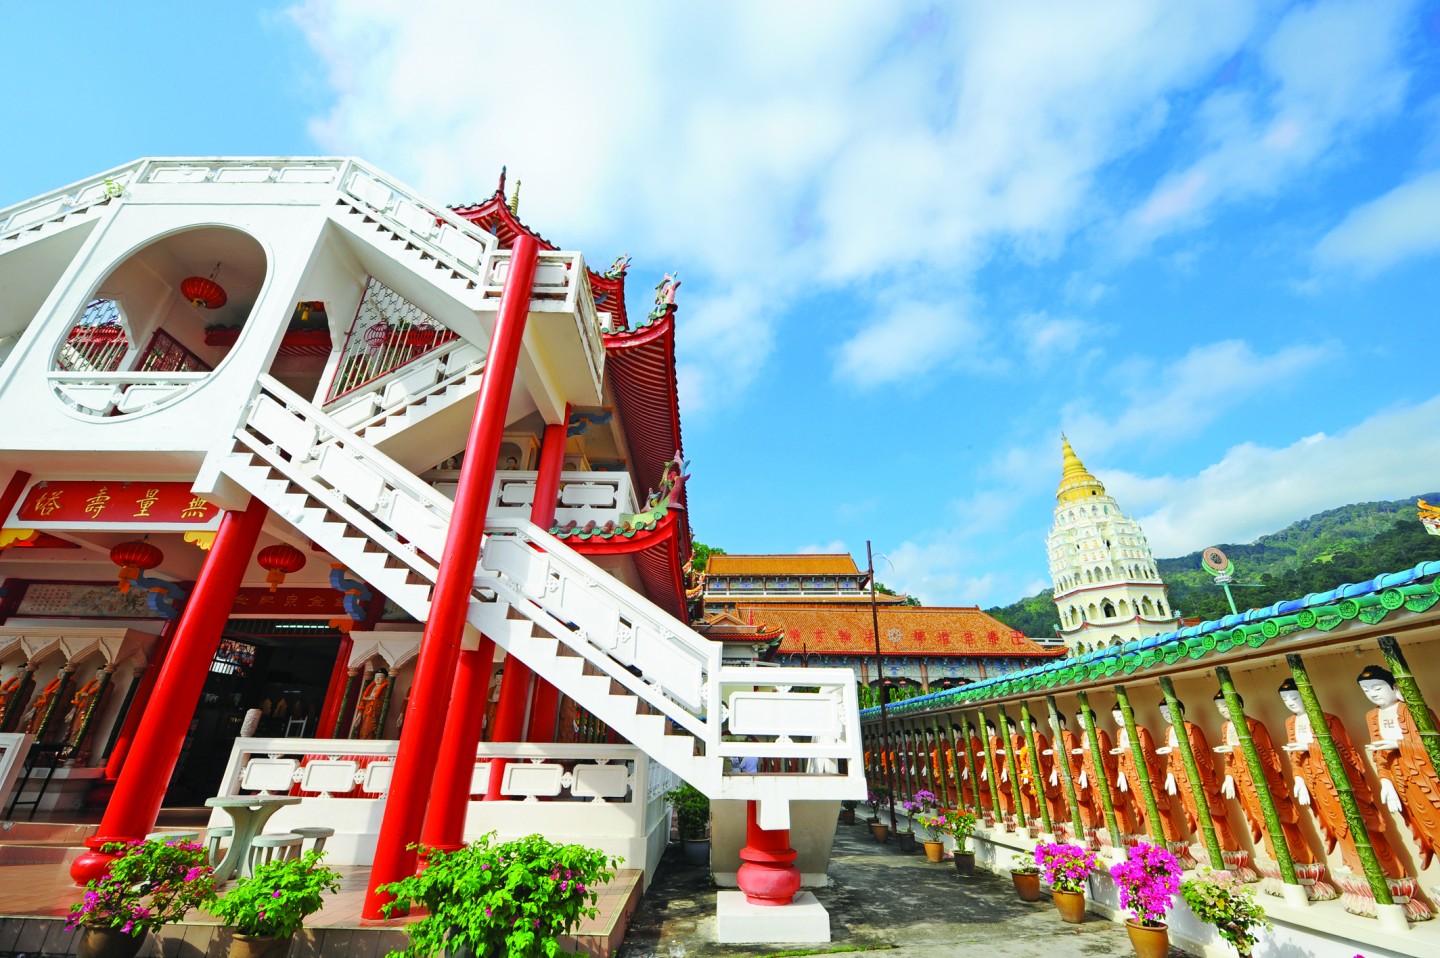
<point>608,796</point>
<point>598,497</point>
<point>102,394</point>
<point>447,237</point>
<point>68,199</point>
<point>14,746</point>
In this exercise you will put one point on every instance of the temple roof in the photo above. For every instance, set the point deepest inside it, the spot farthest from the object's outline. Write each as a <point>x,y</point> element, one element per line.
<point>819,564</point>
<point>1076,482</point>
<point>906,630</point>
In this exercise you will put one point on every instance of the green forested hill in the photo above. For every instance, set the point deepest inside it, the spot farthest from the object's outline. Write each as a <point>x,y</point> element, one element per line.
<point>1348,544</point>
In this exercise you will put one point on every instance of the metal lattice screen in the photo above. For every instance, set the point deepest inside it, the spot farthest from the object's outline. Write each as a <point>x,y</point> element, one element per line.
<point>97,343</point>
<point>389,332</point>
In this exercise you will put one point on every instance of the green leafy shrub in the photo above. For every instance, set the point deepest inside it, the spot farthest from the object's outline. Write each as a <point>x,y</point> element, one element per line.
<point>514,899</point>
<point>275,901</point>
<point>1234,912</point>
<point>692,811</point>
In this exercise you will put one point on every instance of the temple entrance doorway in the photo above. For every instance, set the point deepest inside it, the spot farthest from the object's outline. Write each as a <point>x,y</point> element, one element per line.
<point>269,674</point>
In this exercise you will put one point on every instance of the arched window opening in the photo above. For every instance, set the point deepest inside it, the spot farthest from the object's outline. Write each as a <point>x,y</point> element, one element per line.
<point>142,342</point>
<point>1109,609</point>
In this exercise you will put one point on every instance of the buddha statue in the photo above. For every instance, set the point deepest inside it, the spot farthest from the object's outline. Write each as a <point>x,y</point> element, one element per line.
<point>1241,785</point>
<point>1177,783</point>
<point>1314,788</point>
<point>372,705</point>
<point>1155,767</point>
<point>1121,802</point>
<point>1409,785</point>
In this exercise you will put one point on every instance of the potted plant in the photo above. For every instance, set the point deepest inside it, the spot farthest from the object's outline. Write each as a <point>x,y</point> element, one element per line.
<point>267,908</point>
<point>1026,876</point>
<point>692,821</point>
<point>515,898</point>
<point>906,835</point>
<point>1148,881</point>
<point>1233,910</point>
<point>1066,869</point>
<point>847,811</point>
<point>147,886</point>
<point>961,826</point>
<point>927,800</point>
<point>935,829</point>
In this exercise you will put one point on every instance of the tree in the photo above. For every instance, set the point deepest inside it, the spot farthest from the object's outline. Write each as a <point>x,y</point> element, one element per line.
<point>701,554</point>
<point>884,589</point>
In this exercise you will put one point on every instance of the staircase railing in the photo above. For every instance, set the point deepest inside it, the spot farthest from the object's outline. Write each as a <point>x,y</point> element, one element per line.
<point>66,200</point>
<point>422,377</point>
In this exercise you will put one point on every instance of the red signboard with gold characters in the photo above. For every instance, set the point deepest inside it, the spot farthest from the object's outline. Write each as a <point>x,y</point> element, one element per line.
<point>135,502</point>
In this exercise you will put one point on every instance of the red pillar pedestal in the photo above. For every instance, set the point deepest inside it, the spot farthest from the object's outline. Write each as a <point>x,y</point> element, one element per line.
<point>767,874</point>
<point>161,733</point>
<point>422,751</point>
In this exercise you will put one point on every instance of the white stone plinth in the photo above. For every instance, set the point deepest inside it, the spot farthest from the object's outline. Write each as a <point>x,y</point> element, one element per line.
<point>737,922</point>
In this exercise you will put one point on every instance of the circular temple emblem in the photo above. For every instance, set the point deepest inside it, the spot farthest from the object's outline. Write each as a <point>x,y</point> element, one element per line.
<point>894,635</point>
<point>1214,560</point>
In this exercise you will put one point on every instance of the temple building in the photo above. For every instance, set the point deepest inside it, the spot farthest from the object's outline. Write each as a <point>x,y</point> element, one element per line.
<point>312,487</point>
<point>1107,590</point>
<point>819,606</point>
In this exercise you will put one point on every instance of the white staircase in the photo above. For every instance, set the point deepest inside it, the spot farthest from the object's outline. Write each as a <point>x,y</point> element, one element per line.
<point>641,671</point>
<point>406,413</point>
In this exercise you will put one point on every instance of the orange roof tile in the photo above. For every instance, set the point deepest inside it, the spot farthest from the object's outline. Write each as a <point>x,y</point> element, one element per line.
<point>904,630</point>
<point>840,564</point>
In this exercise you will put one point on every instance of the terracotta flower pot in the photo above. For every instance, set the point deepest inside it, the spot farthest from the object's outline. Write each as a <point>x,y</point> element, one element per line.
<point>965,863</point>
<point>879,831</point>
<point>935,851</point>
<point>96,942</point>
<point>1070,904</point>
<point>259,946</point>
<point>1151,942</point>
<point>847,816</point>
<point>1027,885</point>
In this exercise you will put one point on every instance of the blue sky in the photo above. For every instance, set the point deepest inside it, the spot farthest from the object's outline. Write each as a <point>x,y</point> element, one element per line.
<point>916,242</point>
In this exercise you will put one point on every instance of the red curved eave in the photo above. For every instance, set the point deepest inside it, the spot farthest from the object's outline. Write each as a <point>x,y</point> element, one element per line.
<point>494,217</point>
<point>641,369</point>
<point>609,293</point>
<point>656,553</point>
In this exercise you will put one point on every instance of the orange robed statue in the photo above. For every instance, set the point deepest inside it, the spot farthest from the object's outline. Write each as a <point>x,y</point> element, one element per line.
<point>1177,781</point>
<point>10,686</point>
<point>372,703</point>
<point>1049,785</point>
<point>40,705</point>
<point>80,704</point>
<point>1072,753</point>
<point>982,786</point>
<point>1408,783</point>
<point>1125,818</point>
<point>1239,783</point>
<point>1155,767</point>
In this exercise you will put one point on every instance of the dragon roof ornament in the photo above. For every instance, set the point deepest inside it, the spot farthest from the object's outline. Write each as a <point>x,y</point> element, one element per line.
<point>657,506</point>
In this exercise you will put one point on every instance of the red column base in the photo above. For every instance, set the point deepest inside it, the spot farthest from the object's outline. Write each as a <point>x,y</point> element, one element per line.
<point>767,874</point>
<point>92,864</point>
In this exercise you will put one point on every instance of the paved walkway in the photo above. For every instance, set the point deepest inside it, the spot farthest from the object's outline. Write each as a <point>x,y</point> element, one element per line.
<point>881,901</point>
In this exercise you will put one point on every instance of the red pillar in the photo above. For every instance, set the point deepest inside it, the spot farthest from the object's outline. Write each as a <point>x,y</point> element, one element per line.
<point>450,794</point>
<point>427,767</point>
<point>138,704</point>
<point>545,700</point>
<point>161,732</point>
<point>509,717</point>
<point>767,874</point>
<point>335,691</point>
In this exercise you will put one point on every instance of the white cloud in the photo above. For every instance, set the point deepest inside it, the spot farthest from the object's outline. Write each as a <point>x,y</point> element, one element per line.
<point>1046,338</point>
<point>1331,69</point>
<point>833,547</point>
<point>1168,403</point>
<point>1401,224</point>
<point>792,148</point>
<point>911,339</point>
<point>1257,489</point>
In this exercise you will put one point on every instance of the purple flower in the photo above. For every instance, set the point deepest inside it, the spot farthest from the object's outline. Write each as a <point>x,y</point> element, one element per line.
<point>275,893</point>
<point>488,912</point>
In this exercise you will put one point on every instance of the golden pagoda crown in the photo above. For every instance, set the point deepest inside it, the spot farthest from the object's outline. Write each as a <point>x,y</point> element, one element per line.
<point>1076,482</point>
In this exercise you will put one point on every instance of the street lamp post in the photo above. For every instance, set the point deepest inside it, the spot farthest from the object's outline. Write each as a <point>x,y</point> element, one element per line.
<point>884,693</point>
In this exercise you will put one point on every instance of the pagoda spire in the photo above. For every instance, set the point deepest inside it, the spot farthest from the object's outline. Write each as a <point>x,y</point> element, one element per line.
<point>515,199</point>
<point>1076,482</point>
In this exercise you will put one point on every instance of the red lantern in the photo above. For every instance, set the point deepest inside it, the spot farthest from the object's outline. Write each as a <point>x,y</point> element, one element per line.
<point>280,561</point>
<point>134,558</point>
<point>202,292</point>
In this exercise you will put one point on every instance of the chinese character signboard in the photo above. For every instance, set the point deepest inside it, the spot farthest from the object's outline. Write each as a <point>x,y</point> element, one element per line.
<point>154,505</point>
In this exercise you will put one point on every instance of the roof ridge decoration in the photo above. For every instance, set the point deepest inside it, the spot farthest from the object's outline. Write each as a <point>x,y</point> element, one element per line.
<point>657,506</point>
<point>495,216</point>
<point>1370,602</point>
